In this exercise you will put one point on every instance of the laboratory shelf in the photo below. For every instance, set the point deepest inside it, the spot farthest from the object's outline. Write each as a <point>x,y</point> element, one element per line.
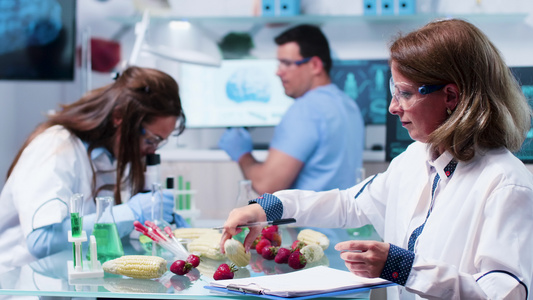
<point>322,19</point>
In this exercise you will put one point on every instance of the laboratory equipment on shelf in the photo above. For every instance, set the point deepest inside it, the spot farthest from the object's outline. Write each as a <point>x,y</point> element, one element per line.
<point>76,268</point>
<point>105,231</point>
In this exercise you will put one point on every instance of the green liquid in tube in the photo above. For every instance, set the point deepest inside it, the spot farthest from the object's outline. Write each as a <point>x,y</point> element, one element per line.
<point>188,195</point>
<point>76,224</point>
<point>76,228</point>
<point>108,242</point>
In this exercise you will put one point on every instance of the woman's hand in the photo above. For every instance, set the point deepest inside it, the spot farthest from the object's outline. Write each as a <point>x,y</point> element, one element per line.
<point>240,216</point>
<point>364,258</point>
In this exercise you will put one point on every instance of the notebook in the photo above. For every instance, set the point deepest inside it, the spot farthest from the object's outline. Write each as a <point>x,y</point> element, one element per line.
<point>309,283</point>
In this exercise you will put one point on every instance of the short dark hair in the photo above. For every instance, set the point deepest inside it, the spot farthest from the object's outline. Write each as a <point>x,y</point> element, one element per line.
<point>311,40</point>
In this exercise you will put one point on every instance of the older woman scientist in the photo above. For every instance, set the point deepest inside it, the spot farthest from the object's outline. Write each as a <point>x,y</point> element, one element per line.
<point>95,147</point>
<point>455,210</point>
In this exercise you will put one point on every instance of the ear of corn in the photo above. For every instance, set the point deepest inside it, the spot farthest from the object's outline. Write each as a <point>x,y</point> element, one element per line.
<point>235,252</point>
<point>137,266</point>
<point>312,252</point>
<point>207,245</point>
<point>310,236</point>
<point>192,233</point>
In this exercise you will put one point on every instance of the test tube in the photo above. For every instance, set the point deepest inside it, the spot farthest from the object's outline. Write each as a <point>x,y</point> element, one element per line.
<point>188,195</point>
<point>76,211</point>
<point>76,224</point>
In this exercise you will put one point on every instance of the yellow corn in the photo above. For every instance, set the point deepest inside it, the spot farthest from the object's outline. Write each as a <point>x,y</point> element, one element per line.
<point>310,236</point>
<point>192,233</point>
<point>235,252</point>
<point>207,245</point>
<point>137,266</point>
<point>312,252</point>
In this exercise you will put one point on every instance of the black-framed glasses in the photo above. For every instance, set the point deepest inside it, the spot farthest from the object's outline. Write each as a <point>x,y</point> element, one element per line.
<point>152,140</point>
<point>405,93</point>
<point>287,63</point>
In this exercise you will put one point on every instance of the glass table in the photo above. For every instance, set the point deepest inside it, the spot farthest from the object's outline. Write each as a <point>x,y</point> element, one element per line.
<point>49,276</point>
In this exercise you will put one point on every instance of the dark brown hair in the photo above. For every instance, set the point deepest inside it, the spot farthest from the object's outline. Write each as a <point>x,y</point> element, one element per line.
<point>137,96</point>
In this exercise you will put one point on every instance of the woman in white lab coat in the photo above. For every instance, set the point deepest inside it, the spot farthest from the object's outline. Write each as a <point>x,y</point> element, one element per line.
<point>455,210</point>
<point>94,146</point>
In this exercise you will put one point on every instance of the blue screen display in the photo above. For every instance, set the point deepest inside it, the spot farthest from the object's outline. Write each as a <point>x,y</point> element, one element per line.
<point>38,39</point>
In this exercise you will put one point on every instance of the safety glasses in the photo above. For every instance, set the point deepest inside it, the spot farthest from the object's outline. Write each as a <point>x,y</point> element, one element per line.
<point>407,95</point>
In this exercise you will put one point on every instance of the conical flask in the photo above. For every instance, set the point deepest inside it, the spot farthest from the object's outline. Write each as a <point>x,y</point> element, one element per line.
<point>105,231</point>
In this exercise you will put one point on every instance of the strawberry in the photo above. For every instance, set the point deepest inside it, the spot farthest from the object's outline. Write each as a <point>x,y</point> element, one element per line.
<point>194,260</point>
<point>269,231</point>
<point>297,260</point>
<point>180,267</point>
<point>276,239</point>
<point>257,239</point>
<point>224,272</point>
<point>283,256</point>
<point>269,252</point>
<point>297,245</point>
<point>261,244</point>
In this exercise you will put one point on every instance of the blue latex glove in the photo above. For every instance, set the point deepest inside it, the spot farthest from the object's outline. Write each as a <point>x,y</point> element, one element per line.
<point>180,221</point>
<point>236,142</point>
<point>141,205</point>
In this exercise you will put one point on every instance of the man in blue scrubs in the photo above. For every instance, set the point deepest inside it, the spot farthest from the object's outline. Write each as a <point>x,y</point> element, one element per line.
<point>318,145</point>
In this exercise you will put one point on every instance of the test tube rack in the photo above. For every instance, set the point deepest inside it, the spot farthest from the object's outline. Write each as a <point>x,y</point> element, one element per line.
<point>92,269</point>
<point>185,205</point>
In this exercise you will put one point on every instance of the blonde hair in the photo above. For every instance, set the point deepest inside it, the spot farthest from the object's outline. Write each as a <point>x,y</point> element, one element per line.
<point>492,111</point>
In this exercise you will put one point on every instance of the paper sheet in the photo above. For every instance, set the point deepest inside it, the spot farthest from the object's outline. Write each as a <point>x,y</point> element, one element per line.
<point>305,282</point>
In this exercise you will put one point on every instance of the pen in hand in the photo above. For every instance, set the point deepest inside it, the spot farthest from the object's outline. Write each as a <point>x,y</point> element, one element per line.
<point>263,224</point>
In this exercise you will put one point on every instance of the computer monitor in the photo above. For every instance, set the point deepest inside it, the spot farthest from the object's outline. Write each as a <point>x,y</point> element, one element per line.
<point>398,138</point>
<point>38,40</point>
<point>367,82</point>
<point>241,93</point>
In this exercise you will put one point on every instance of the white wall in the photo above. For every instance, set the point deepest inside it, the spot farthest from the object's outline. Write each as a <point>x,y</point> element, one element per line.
<point>24,103</point>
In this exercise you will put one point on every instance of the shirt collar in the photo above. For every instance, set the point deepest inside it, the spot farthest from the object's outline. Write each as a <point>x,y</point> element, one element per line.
<point>445,164</point>
<point>99,152</point>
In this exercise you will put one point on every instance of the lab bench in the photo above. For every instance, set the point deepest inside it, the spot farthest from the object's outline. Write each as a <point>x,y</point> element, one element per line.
<point>49,277</point>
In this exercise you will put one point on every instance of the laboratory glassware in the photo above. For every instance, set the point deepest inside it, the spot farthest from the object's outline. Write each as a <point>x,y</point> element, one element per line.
<point>105,231</point>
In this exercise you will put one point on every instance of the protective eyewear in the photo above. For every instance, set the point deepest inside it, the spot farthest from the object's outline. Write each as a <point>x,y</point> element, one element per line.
<point>152,140</point>
<point>407,95</point>
<point>287,63</point>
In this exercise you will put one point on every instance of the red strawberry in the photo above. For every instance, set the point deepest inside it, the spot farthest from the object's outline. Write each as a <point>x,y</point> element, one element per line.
<point>194,260</point>
<point>283,256</point>
<point>180,267</point>
<point>268,231</point>
<point>269,252</point>
<point>257,239</point>
<point>261,244</point>
<point>297,260</point>
<point>276,239</point>
<point>297,245</point>
<point>224,272</point>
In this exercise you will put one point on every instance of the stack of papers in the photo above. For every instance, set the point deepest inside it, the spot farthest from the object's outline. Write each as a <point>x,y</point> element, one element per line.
<point>313,281</point>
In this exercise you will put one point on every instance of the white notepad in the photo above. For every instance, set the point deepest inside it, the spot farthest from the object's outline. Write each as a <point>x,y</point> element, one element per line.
<point>317,280</point>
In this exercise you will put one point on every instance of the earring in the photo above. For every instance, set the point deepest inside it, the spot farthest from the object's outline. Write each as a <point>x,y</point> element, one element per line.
<point>448,111</point>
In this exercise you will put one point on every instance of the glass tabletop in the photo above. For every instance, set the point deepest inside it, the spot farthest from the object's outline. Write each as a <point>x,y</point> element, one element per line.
<point>49,276</point>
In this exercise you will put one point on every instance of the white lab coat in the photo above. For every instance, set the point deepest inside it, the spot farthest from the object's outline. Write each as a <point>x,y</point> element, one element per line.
<point>54,166</point>
<point>482,221</point>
